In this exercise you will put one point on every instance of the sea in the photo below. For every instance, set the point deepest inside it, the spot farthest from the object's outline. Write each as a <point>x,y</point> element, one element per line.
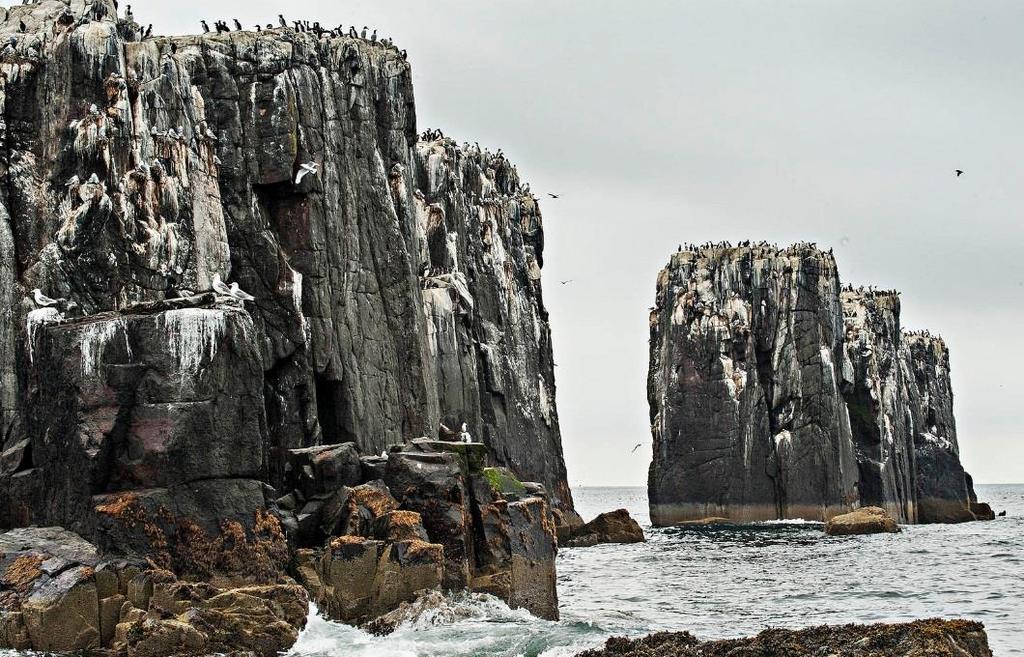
<point>719,582</point>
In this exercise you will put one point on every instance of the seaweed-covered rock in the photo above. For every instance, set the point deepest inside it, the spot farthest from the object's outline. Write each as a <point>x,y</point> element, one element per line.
<point>935,638</point>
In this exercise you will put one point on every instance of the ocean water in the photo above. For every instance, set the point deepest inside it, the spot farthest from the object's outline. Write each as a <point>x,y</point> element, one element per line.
<point>734,581</point>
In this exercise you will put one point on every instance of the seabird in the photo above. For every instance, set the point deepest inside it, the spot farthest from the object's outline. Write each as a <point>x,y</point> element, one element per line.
<point>306,168</point>
<point>566,282</point>
<point>464,434</point>
<point>42,300</point>
<point>238,26</point>
<point>206,27</point>
<point>362,35</point>
<point>94,179</point>
<point>638,446</point>
<point>284,23</point>
<point>239,293</point>
<point>959,173</point>
<point>22,26</point>
<point>220,288</point>
<point>174,48</point>
<point>552,195</point>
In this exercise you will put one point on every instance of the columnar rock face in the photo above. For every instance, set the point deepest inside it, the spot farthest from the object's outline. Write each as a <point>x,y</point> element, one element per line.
<point>747,360</point>
<point>397,286</point>
<point>776,393</point>
<point>397,289</point>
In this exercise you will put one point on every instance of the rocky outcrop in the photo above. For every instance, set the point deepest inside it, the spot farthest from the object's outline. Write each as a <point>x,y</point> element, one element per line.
<point>440,520</point>
<point>57,593</point>
<point>936,638</point>
<point>865,520</point>
<point>746,367</point>
<point>611,527</point>
<point>398,294</point>
<point>777,393</point>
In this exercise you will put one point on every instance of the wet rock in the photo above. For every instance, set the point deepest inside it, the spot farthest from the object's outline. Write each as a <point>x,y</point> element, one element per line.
<point>865,520</point>
<point>611,527</point>
<point>356,580</point>
<point>940,638</point>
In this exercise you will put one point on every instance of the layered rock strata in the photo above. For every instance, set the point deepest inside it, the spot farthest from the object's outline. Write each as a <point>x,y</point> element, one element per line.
<point>775,392</point>
<point>398,294</point>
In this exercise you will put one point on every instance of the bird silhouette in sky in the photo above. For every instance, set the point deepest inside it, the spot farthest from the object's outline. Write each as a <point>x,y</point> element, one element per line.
<point>959,173</point>
<point>566,282</point>
<point>638,446</point>
<point>553,195</point>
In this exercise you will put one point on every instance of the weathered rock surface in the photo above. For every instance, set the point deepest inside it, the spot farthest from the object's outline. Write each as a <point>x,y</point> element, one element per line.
<point>931,638</point>
<point>777,393</point>
<point>57,593</point>
<point>611,527</point>
<point>397,294</point>
<point>865,520</point>
<point>747,359</point>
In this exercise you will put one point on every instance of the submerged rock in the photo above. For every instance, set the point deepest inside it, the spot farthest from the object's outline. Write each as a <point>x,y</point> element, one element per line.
<point>777,393</point>
<point>935,638</point>
<point>865,520</point>
<point>611,527</point>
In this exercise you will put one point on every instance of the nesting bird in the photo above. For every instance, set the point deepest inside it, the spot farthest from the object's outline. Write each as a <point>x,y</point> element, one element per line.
<point>306,168</point>
<point>42,300</point>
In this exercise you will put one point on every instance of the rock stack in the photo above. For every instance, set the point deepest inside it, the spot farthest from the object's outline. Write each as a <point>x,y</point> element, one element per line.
<point>397,293</point>
<point>776,393</point>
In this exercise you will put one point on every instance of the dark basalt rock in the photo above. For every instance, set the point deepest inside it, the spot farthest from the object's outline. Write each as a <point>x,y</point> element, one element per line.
<point>775,393</point>
<point>611,527</point>
<point>397,295</point>
<point>936,638</point>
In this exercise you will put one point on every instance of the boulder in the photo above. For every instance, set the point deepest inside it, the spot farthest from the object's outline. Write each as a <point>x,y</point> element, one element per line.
<point>321,470</point>
<point>866,520</point>
<point>982,511</point>
<point>611,527</point>
<point>355,580</point>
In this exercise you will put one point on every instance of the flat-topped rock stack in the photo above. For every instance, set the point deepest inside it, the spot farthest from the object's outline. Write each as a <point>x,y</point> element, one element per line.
<point>776,392</point>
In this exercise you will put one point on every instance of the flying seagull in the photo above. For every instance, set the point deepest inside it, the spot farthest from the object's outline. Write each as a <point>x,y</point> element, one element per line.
<point>638,446</point>
<point>239,293</point>
<point>42,300</point>
<point>959,173</point>
<point>566,282</point>
<point>553,195</point>
<point>306,168</point>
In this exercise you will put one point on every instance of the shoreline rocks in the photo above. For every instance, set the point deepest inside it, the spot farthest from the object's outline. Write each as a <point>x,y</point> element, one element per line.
<point>865,520</point>
<point>610,527</point>
<point>776,392</point>
<point>933,637</point>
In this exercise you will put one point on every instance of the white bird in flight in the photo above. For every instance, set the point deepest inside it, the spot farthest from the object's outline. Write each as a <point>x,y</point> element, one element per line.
<point>42,300</point>
<point>306,168</point>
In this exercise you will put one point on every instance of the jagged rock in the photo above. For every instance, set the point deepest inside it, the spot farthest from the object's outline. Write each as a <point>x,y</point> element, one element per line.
<point>355,580</point>
<point>396,287</point>
<point>865,520</point>
<point>57,593</point>
<point>774,393</point>
<point>611,527</point>
<point>433,485</point>
<point>398,293</point>
<point>935,638</point>
<point>323,469</point>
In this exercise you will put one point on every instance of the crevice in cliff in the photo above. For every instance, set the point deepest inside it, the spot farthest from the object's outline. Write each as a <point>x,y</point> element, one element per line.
<point>333,411</point>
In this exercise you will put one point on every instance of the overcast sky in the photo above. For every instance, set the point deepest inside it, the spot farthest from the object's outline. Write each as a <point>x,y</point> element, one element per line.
<point>664,121</point>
